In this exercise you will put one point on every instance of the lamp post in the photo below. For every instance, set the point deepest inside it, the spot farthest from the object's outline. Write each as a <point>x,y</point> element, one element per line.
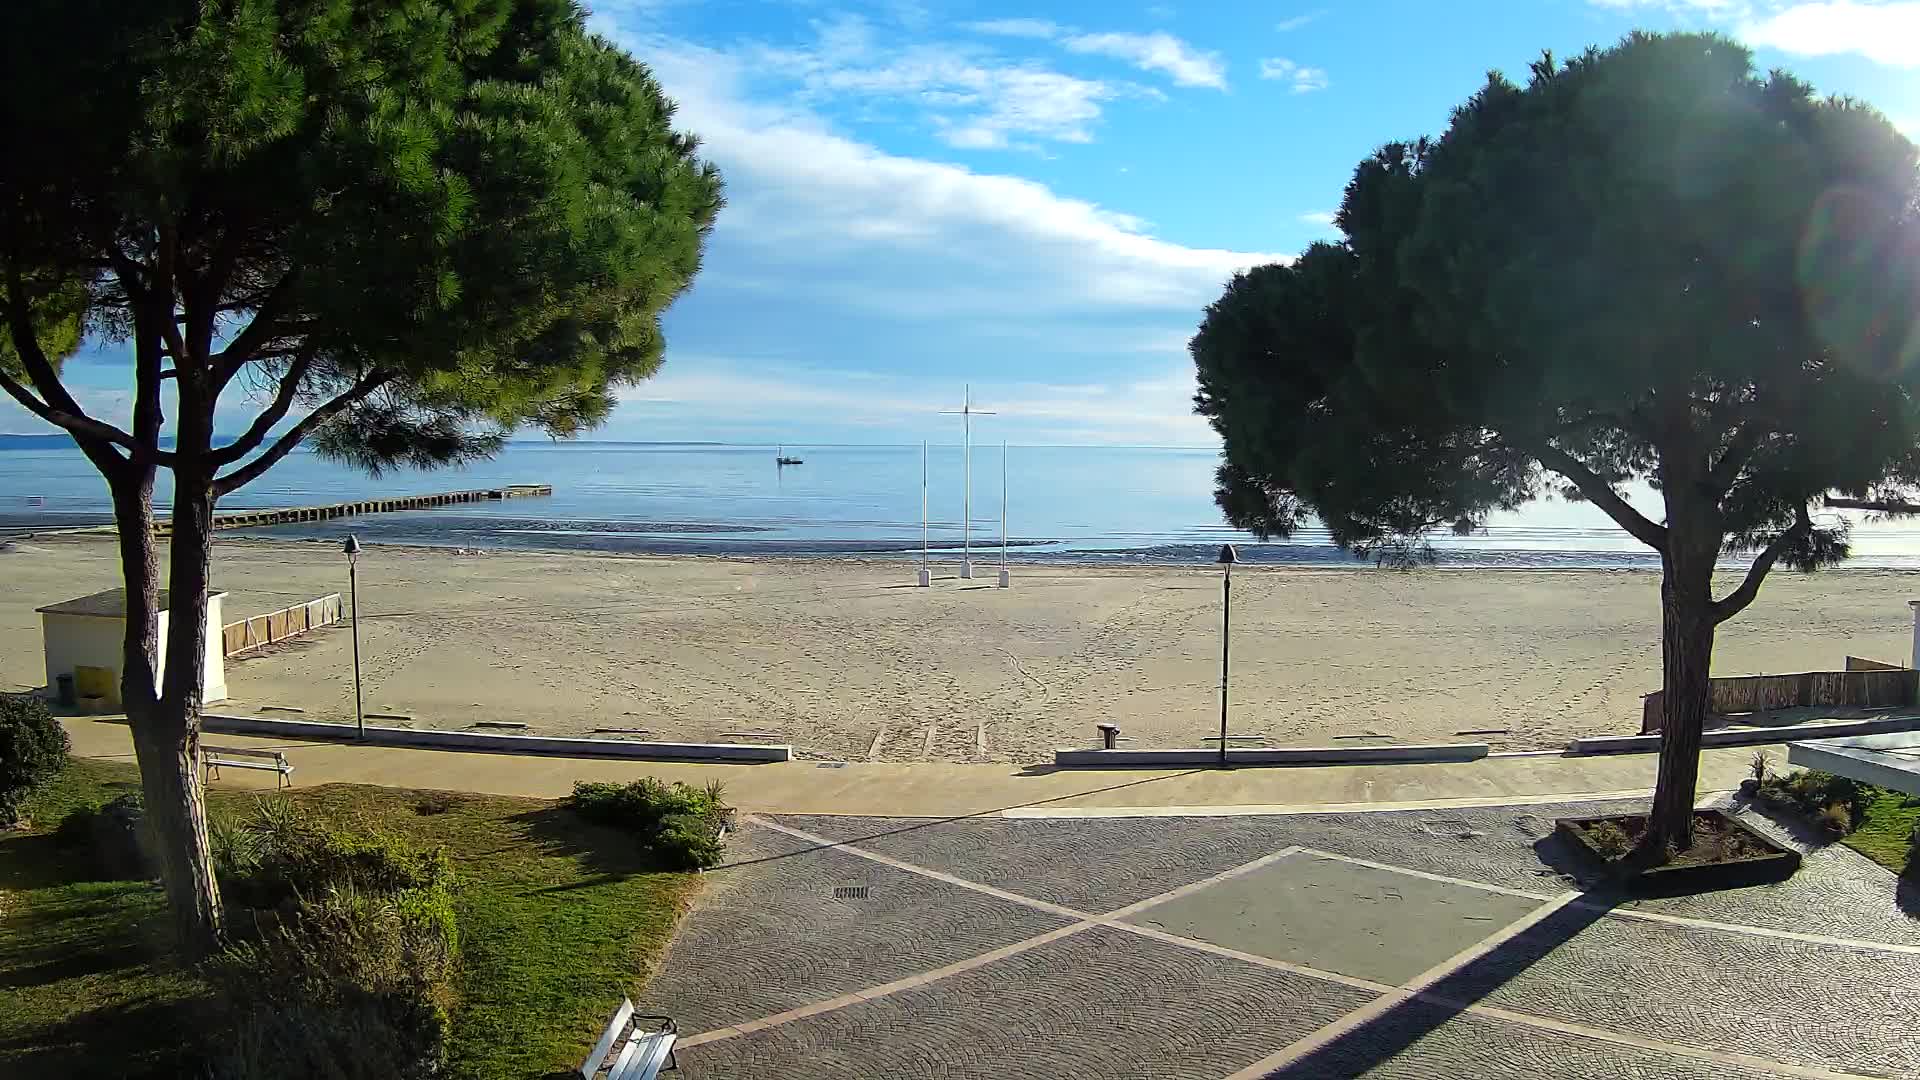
<point>352,548</point>
<point>1227,558</point>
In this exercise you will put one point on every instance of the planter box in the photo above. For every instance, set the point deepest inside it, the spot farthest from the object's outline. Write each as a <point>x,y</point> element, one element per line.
<point>1777,864</point>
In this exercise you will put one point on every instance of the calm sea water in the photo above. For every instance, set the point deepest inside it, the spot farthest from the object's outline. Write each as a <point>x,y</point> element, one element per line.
<point>1109,504</point>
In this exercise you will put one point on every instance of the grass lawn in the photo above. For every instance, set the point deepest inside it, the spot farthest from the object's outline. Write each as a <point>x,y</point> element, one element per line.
<point>557,919</point>
<point>1884,836</point>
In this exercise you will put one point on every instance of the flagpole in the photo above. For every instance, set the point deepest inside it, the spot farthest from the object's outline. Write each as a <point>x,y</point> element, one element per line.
<point>966,502</point>
<point>1005,578</point>
<point>926,572</point>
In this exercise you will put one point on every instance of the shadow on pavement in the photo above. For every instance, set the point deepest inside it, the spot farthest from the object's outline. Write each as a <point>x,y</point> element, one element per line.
<point>927,823</point>
<point>1383,1038</point>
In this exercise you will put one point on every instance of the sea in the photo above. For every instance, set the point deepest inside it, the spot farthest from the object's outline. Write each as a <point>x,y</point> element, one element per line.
<point>1077,504</point>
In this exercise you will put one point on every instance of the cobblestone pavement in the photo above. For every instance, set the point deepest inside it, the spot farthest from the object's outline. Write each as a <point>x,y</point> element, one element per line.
<point>1405,945</point>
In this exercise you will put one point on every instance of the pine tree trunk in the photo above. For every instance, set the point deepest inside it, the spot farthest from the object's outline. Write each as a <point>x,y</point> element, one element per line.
<point>1686,660</point>
<point>174,780</point>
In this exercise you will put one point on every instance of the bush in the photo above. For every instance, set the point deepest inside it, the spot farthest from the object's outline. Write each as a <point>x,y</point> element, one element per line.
<point>350,968</point>
<point>1815,795</point>
<point>1836,820</point>
<point>679,826</point>
<point>279,854</point>
<point>347,986</point>
<point>1610,840</point>
<point>33,749</point>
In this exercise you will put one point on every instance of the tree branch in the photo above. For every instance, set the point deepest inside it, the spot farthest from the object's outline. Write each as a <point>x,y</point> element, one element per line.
<point>54,405</point>
<point>251,470</point>
<point>1885,506</point>
<point>259,330</point>
<point>1736,601</point>
<point>78,424</point>
<point>275,412</point>
<point>1740,450</point>
<point>1601,494</point>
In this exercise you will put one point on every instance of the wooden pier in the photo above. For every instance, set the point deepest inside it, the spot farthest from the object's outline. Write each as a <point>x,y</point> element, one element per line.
<point>249,519</point>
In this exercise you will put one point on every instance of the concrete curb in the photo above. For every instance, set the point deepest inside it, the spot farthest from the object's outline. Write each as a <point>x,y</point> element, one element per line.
<point>1644,744</point>
<point>1292,755</point>
<point>226,724</point>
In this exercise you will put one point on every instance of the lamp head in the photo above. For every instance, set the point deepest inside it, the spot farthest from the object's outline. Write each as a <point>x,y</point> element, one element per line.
<point>1228,556</point>
<point>352,546</point>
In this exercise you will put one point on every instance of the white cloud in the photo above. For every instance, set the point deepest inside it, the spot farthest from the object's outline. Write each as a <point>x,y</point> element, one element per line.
<point>1321,218</point>
<point>1886,33</point>
<point>1025,28</point>
<point>970,100</point>
<point>941,237</point>
<point>1304,80</point>
<point>1296,22</point>
<point>1157,51</point>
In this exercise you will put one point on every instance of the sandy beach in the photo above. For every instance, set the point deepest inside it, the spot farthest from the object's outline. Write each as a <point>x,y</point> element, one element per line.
<point>847,660</point>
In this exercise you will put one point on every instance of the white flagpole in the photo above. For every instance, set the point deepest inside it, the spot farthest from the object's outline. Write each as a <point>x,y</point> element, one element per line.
<point>926,573</point>
<point>1004,576</point>
<point>966,502</point>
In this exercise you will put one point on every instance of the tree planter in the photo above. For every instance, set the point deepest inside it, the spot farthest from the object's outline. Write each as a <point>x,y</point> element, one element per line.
<point>1728,854</point>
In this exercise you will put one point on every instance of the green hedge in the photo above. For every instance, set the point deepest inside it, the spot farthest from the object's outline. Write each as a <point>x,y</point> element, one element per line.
<point>33,749</point>
<point>680,827</point>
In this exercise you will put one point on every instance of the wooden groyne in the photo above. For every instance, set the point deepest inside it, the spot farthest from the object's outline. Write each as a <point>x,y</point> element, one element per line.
<point>250,519</point>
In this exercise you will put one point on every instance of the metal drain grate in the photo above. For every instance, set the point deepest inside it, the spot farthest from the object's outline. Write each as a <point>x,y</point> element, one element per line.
<point>850,892</point>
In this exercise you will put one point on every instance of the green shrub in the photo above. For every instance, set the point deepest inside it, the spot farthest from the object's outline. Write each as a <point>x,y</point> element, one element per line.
<point>280,854</point>
<point>349,969</point>
<point>345,986</point>
<point>33,749</point>
<point>1815,794</point>
<point>1610,840</point>
<point>678,825</point>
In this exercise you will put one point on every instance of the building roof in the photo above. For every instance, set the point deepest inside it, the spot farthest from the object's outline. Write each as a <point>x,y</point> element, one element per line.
<point>1891,761</point>
<point>110,604</point>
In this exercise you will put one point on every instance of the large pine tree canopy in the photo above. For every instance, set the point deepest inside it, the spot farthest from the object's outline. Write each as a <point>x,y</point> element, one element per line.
<point>431,221</point>
<point>1647,263</point>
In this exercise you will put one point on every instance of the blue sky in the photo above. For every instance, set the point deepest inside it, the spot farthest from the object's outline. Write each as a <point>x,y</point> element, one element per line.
<point>1040,199</point>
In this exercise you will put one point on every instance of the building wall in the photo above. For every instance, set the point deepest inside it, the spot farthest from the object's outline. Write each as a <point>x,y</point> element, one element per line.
<point>73,641</point>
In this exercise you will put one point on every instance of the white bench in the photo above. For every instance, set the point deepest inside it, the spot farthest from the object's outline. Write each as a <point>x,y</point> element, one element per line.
<point>238,757</point>
<point>643,1052</point>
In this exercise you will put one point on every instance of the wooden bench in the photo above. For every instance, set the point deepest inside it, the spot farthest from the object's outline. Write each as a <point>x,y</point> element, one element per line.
<point>238,757</point>
<point>644,1052</point>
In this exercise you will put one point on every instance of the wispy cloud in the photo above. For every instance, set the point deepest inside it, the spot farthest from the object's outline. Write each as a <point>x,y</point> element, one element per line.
<point>1303,79</point>
<point>1022,28</point>
<point>1320,218</point>
<point>1156,51</point>
<point>970,99</point>
<point>1289,25</point>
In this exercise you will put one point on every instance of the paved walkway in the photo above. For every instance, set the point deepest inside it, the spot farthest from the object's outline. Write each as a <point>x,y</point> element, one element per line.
<point>1407,945</point>
<point>948,790</point>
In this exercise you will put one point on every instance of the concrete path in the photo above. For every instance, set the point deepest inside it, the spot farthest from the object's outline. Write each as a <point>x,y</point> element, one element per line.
<point>948,790</point>
<point>1406,945</point>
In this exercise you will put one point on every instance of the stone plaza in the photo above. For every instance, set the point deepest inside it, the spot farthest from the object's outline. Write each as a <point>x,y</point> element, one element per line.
<point>1409,944</point>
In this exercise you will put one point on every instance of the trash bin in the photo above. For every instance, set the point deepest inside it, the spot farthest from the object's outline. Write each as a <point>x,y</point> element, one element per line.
<point>63,690</point>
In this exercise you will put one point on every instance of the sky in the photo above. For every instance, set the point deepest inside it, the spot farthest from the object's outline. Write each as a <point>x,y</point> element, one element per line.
<point>1039,200</point>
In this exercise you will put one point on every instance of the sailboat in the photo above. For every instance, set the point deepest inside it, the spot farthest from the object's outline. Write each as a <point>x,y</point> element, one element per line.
<point>780,458</point>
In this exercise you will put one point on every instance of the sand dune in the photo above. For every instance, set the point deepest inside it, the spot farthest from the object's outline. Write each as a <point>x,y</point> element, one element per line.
<point>847,659</point>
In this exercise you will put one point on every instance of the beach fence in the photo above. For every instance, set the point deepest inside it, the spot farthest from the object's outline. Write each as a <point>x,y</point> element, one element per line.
<point>289,622</point>
<point>1860,686</point>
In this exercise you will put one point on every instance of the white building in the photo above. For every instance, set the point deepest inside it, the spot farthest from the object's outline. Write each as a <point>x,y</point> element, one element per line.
<point>90,632</point>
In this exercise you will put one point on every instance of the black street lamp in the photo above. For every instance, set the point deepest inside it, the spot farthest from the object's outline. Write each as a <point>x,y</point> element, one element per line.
<point>352,548</point>
<point>1227,558</point>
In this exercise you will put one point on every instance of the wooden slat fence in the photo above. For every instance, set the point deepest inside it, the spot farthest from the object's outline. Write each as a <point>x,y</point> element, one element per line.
<point>1861,688</point>
<point>250,634</point>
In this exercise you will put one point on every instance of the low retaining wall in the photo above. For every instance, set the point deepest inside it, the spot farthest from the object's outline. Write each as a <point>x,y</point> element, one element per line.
<point>1291,755</point>
<point>428,739</point>
<point>1637,744</point>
